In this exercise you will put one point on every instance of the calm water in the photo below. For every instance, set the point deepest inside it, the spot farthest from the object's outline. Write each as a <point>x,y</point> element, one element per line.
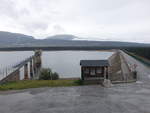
<point>66,63</point>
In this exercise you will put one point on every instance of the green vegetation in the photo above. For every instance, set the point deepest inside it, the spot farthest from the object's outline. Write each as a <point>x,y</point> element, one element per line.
<point>38,83</point>
<point>140,51</point>
<point>79,82</point>
<point>140,58</point>
<point>47,78</point>
<point>47,74</point>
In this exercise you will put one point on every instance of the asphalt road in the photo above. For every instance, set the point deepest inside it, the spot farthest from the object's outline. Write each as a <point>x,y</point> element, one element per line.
<point>124,98</point>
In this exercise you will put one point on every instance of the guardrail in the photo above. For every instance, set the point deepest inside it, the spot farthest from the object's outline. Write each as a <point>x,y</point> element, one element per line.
<point>13,72</point>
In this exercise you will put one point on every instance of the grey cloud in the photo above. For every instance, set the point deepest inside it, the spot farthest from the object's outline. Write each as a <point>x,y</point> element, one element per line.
<point>124,20</point>
<point>31,27</point>
<point>7,8</point>
<point>58,29</point>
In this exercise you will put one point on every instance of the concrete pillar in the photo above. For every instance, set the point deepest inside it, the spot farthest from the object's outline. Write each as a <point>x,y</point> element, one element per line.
<point>38,58</point>
<point>26,77</point>
<point>31,69</point>
<point>38,61</point>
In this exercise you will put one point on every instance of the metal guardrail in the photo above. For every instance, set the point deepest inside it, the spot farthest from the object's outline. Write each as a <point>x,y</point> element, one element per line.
<point>22,63</point>
<point>5,71</point>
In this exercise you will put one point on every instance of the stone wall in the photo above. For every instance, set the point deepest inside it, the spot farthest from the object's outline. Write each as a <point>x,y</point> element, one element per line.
<point>14,76</point>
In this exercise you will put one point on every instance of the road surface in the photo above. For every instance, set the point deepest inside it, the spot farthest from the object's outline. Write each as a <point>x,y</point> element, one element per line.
<point>143,72</point>
<point>124,98</point>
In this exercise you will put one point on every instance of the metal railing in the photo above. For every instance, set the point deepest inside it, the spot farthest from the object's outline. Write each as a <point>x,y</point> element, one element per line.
<point>5,71</point>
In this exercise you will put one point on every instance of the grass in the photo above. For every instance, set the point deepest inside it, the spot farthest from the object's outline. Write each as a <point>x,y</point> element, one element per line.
<point>24,84</point>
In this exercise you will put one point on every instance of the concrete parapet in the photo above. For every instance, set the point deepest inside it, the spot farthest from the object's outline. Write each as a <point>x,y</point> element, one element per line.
<point>115,67</point>
<point>119,69</point>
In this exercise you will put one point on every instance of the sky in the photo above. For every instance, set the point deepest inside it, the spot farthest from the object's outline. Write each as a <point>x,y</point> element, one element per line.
<point>112,20</point>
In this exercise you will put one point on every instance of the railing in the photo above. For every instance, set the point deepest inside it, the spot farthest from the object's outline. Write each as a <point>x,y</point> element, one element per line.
<point>31,66</point>
<point>5,71</point>
<point>22,63</point>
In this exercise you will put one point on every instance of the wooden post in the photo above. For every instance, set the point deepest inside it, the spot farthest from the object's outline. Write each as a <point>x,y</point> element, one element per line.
<point>104,72</point>
<point>82,74</point>
<point>26,77</point>
<point>31,69</point>
<point>107,73</point>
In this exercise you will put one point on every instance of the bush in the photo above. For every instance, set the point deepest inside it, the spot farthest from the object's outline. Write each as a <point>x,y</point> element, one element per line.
<point>55,76</point>
<point>47,74</point>
<point>79,82</point>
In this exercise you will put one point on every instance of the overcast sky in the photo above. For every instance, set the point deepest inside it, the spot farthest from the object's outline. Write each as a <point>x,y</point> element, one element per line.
<point>123,20</point>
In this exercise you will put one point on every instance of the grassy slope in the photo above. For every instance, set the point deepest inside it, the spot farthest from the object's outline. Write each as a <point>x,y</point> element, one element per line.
<point>38,83</point>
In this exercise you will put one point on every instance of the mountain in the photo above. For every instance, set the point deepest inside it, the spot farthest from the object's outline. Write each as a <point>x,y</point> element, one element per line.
<point>70,40</point>
<point>91,43</point>
<point>61,37</point>
<point>14,39</point>
<point>8,39</point>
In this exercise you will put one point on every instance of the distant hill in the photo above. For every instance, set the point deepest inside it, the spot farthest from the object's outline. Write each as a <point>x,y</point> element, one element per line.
<point>62,37</point>
<point>14,39</point>
<point>8,39</point>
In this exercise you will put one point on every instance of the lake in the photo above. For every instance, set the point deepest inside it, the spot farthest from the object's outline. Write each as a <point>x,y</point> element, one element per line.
<point>65,63</point>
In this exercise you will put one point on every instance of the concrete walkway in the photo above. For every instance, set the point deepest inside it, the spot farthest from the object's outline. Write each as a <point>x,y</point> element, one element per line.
<point>127,75</point>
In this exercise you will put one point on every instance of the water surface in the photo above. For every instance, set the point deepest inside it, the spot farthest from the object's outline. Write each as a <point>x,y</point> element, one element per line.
<point>65,63</point>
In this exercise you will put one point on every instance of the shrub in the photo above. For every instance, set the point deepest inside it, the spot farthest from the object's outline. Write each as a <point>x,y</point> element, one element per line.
<point>55,76</point>
<point>79,82</point>
<point>47,74</point>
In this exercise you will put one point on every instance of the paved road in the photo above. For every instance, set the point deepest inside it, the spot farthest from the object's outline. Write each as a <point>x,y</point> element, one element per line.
<point>125,98</point>
<point>143,72</point>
